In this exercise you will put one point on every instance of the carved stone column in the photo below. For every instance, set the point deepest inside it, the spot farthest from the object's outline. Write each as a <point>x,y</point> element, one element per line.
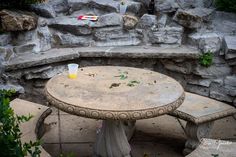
<point>129,128</point>
<point>112,140</point>
<point>195,132</point>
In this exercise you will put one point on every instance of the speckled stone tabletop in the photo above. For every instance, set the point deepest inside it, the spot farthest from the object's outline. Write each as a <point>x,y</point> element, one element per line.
<point>113,92</point>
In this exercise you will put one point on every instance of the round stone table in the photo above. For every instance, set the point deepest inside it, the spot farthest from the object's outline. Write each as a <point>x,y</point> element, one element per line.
<point>118,96</point>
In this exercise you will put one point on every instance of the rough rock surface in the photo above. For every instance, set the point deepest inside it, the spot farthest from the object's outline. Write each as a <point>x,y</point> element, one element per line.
<point>44,38</point>
<point>70,25</point>
<point>60,6</point>
<point>17,20</point>
<point>5,39</point>
<point>69,40</point>
<point>193,18</point>
<point>224,23</point>
<point>206,41</point>
<point>166,6</point>
<point>230,47</point>
<point>130,21</point>
<point>115,36</point>
<point>167,35</point>
<point>44,10</point>
<point>6,52</point>
<point>147,21</point>
<point>111,6</point>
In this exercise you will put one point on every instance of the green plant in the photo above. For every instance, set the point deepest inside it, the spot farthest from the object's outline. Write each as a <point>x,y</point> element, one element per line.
<point>18,4</point>
<point>10,134</point>
<point>226,5</point>
<point>206,59</point>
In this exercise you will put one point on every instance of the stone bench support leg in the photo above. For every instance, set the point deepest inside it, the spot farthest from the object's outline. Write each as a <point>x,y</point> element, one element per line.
<point>112,140</point>
<point>195,132</point>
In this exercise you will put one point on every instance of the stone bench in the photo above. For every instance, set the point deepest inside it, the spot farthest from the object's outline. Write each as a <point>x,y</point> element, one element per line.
<point>217,148</point>
<point>200,113</point>
<point>31,129</point>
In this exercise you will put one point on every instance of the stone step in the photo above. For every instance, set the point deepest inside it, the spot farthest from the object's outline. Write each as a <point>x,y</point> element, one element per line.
<point>64,54</point>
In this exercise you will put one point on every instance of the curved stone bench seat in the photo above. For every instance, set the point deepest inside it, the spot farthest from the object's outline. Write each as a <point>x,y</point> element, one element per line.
<point>31,129</point>
<point>200,113</point>
<point>210,147</point>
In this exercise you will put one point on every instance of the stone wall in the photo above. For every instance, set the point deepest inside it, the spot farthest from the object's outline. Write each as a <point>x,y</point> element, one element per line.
<point>177,23</point>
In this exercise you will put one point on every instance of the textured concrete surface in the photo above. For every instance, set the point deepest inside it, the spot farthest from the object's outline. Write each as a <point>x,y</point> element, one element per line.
<point>162,136</point>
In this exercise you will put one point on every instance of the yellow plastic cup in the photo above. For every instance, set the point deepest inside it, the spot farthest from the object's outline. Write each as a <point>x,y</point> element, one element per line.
<point>73,70</point>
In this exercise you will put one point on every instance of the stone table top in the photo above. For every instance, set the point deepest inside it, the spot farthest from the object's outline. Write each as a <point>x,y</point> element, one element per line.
<point>113,92</point>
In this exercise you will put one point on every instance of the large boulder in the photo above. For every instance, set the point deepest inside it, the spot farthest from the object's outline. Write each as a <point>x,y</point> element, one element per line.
<point>17,20</point>
<point>206,41</point>
<point>44,9</point>
<point>193,18</point>
<point>230,47</point>
<point>130,21</point>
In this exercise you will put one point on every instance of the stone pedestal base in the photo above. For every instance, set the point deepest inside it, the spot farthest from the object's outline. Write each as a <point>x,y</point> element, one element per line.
<point>112,140</point>
<point>195,132</point>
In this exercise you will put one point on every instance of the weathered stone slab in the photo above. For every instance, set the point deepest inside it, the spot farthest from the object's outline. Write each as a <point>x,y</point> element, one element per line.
<point>108,20</point>
<point>116,36</point>
<point>193,18</point>
<point>26,48</point>
<point>69,40</point>
<point>230,47</point>
<point>166,6</point>
<point>17,88</point>
<point>17,20</point>
<point>44,10</point>
<point>44,73</point>
<point>199,109</point>
<point>167,35</point>
<point>224,23</point>
<point>137,52</point>
<point>230,81</point>
<point>60,6</point>
<point>204,91</point>
<point>70,25</point>
<point>134,7</point>
<point>182,67</point>
<point>213,71</point>
<point>111,6</point>
<point>32,59</point>
<point>206,41</point>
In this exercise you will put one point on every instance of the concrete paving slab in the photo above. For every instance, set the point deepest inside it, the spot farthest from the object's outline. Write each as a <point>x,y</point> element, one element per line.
<point>55,111</point>
<point>149,149</point>
<point>52,149</point>
<point>51,130</point>
<point>224,129</point>
<point>166,126</point>
<point>78,129</point>
<point>78,149</point>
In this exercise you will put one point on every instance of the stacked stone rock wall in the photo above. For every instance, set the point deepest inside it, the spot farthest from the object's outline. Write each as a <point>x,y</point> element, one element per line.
<point>176,23</point>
